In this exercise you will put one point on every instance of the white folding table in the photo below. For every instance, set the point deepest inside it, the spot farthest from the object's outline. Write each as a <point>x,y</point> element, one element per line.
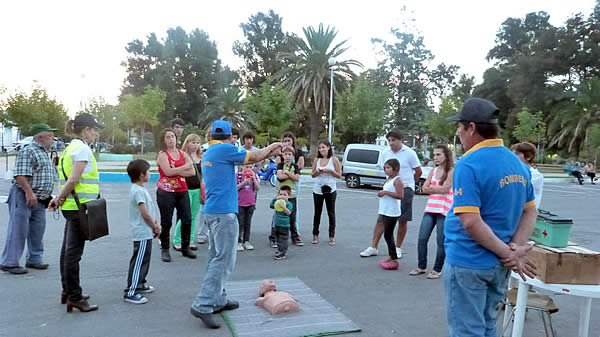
<point>585,292</point>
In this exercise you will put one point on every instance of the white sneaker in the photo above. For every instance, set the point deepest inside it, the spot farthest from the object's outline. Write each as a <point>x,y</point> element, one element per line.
<point>399,252</point>
<point>240,247</point>
<point>248,246</point>
<point>369,252</point>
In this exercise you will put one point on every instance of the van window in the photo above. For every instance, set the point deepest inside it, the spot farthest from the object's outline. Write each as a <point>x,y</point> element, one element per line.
<point>363,156</point>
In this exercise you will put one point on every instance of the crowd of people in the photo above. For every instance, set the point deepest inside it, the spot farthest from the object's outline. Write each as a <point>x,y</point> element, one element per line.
<point>483,209</point>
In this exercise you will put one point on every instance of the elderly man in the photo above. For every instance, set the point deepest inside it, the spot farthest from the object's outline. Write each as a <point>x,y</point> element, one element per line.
<point>220,217</point>
<point>490,221</point>
<point>27,201</point>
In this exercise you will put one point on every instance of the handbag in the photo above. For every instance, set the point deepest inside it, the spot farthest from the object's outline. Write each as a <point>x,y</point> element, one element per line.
<point>93,220</point>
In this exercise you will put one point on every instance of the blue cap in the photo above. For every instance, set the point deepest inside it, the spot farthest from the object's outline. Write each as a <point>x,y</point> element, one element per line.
<point>221,127</point>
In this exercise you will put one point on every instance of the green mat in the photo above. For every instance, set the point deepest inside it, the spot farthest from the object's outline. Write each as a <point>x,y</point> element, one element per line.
<point>316,316</point>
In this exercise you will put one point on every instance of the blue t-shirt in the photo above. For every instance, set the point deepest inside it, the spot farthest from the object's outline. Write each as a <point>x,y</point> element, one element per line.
<point>218,173</point>
<point>490,180</point>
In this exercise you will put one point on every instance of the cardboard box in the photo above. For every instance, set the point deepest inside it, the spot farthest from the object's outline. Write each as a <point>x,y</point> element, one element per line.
<point>569,265</point>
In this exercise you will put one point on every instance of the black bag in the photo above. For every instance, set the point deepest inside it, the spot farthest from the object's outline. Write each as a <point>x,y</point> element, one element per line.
<point>93,220</point>
<point>325,189</point>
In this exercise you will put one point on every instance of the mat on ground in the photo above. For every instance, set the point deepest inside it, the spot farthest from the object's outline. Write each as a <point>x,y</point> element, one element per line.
<point>316,316</point>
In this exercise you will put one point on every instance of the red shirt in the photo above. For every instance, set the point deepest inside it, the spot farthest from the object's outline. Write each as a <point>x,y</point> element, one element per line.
<point>176,183</point>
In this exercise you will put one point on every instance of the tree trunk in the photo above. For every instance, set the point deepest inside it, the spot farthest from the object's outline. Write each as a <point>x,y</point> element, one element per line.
<point>316,123</point>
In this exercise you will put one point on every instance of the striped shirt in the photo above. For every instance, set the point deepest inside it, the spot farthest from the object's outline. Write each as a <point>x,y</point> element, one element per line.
<point>439,203</point>
<point>34,163</point>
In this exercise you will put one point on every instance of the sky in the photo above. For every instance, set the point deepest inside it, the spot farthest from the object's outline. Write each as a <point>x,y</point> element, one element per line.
<point>74,49</point>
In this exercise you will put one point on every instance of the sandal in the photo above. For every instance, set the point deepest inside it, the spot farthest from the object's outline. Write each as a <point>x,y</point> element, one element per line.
<point>331,241</point>
<point>433,275</point>
<point>417,271</point>
<point>315,240</point>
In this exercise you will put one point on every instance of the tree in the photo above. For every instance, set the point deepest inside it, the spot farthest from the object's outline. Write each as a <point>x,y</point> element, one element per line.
<point>185,66</point>
<point>227,105</point>
<point>407,69</point>
<point>308,73</point>
<point>272,108</point>
<point>264,40</point>
<point>23,110</point>
<point>439,127</point>
<point>531,127</point>
<point>361,111</point>
<point>108,115</point>
<point>142,111</point>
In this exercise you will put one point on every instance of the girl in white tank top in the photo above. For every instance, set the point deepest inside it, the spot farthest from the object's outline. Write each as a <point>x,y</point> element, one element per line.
<point>389,210</point>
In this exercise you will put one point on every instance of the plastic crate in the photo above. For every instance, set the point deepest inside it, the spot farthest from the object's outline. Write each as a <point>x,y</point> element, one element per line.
<point>552,230</point>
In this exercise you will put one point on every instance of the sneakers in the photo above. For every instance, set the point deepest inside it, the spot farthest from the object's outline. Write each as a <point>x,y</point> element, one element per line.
<point>165,255</point>
<point>201,241</point>
<point>369,252</point>
<point>279,256</point>
<point>273,244</point>
<point>135,299</point>
<point>248,246</point>
<point>17,270</point>
<point>145,289</point>
<point>297,242</point>
<point>399,252</point>
<point>240,247</point>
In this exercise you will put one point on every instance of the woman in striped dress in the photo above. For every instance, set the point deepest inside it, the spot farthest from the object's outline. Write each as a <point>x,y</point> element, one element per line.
<point>439,187</point>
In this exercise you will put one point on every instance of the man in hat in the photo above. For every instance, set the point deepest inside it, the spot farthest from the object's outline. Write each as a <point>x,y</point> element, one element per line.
<point>488,226</point>
<point>220,216</point>
<point>34,178</point>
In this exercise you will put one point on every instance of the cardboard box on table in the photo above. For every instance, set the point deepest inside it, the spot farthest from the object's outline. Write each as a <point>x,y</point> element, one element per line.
<point>569,265</point>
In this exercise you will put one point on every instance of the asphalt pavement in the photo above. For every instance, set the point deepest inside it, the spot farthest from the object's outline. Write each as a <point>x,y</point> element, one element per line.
<point>382,303</point>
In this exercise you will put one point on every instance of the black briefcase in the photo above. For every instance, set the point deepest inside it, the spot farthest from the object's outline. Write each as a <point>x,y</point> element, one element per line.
<point>93,220</point>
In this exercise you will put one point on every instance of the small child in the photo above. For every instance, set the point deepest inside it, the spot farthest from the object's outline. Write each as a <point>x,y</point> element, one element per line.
<point>143,229</point>
<point>389,210</point>
<point>288,174</point>
<point>282,222</point>
<point>248,185</point>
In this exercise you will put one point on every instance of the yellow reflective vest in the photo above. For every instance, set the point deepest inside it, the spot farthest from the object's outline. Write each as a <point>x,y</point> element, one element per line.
<point>88,187</point>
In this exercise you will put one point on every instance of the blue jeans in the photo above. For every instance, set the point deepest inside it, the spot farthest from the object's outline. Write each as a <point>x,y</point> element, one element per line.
<point>223,231</point>
<point>472,296</point>
<point>429,221</point>
<point>26,224</point>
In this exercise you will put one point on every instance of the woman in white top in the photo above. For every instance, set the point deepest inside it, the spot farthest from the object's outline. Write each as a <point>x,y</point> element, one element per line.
<point>526,152</point>
<point>389,210</point>
<point>326,169</point>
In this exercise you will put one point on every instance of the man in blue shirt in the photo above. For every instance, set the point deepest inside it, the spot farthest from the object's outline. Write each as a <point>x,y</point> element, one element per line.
<point>219,215</point>
<point>487,229</point>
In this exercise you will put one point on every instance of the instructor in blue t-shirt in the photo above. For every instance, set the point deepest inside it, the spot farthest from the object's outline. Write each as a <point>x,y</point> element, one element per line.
<point>219,215</point>
<point>488,226</point>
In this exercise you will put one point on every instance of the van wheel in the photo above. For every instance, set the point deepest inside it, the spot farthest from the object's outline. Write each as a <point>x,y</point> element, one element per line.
<point>352,181</point>
<point>419,186</point>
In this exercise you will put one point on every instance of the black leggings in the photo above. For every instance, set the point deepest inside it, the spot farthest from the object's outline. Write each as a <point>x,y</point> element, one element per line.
<point>389,222</point>
<point>245,219</point>
<point>329,199</point>
<point>167,203</point>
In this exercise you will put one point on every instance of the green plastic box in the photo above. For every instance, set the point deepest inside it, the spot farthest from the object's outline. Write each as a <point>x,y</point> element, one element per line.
<point>551,234</point>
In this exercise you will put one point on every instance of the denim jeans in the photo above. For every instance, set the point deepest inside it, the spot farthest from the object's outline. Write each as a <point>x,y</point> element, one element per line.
<point>70,255</point>
<point>25,224</point>
<point>472,296</point>
<point>223,231</point>
<point>429,221</point>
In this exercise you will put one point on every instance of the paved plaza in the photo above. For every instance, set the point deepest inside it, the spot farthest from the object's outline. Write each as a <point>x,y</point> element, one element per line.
<point>382,303</point>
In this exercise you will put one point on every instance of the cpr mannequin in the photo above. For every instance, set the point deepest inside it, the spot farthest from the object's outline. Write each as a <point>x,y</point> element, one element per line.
<point>275,302</point>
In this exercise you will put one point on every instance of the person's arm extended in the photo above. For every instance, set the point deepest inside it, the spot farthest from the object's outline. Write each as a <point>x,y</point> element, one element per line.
<point>29,195</point>
<point>262,154</point>
<point>427,184</point>
<point>163,163</point>
<point>418,173</point>
<point>445,187</point>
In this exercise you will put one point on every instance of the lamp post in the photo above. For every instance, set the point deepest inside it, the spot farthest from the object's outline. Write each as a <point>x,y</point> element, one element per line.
<point>113,130</point>
<point>331,62</point>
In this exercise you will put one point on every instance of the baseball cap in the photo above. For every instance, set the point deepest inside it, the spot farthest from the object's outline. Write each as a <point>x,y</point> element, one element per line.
<point>221,127</point>
<point>477,110</point>
<point>86,119</point>
<point>40,127</point>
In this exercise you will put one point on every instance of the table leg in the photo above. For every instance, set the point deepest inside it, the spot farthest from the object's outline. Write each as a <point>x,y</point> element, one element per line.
<point>512,283</point>
<point>584,316</point>
<point>522,296</point>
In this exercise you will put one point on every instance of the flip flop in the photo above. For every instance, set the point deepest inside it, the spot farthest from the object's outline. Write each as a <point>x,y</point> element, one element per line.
<point>417,271</point>
<point>433,275</point>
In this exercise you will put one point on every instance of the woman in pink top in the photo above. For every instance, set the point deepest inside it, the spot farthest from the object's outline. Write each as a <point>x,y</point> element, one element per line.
<point>439,187</point>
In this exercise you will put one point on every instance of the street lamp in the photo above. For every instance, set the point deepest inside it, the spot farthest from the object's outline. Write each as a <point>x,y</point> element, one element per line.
<point>332,63</point>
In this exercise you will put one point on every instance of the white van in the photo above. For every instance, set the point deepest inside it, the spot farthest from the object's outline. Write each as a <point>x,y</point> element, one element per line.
<point>363,164</point>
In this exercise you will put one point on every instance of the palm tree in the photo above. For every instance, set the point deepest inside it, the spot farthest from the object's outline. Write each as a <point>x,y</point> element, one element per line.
<point>308,75</point>
<point>576,114</point>
<point>227,105</point>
